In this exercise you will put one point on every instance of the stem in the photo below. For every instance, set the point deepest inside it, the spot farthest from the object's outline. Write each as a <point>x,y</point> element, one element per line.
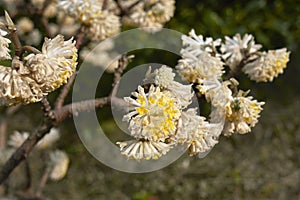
<point>28,175</point>
<point>16,42</point>
<point>43,182</point>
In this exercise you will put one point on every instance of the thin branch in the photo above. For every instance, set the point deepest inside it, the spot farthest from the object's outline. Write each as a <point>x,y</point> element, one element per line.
<point>27,174</point>
<point>43,182</point>
<point>75,108</point>
<point>64,92</point>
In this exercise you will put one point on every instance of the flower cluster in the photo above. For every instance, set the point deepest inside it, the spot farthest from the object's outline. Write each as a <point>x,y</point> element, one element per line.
<point>159,119</point>
<point>203,64</point>
<point>99,23</point>
<point>28,79</point>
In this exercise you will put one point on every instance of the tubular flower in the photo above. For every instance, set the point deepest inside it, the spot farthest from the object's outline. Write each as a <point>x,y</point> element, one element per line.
<point>155,114</point>
<point>267,66</point>
<point>164,78</point>
<point>244,115</point>
<point>197,44</point>
<point>150,14</point>
<point>4,46</point>
<point>57,62</point>
<point>193,131</point>
<point>59,163</point>
<point>236,49</point>
<point>144,150</point>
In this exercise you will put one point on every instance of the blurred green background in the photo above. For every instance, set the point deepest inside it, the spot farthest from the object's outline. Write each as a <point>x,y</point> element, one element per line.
<point>263,164</point>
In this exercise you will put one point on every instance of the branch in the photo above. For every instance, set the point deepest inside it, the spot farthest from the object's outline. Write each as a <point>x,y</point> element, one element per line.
<point>75,108</point>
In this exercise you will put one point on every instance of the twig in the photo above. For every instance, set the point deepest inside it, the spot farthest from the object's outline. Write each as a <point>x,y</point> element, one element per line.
<point>43,182</point>
<point>123,62</point>
<point>28,175</point>
<point>64,92</point>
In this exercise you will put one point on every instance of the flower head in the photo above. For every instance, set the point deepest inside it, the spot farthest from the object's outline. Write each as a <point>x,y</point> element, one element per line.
<point>267,66</point>
<point>17,87</point>
<point>193,131</point>
<point>98,23</point>
<point>244,114</point>
<point>57,62</point>
<point>154,115</point>
<point>236,49</point>
<point>150,14</point>
<point>164,78</point>
<point>59,163</point>
<point>197,44</point>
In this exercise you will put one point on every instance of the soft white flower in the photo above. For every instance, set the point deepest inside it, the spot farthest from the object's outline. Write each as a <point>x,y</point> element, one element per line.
<point>236,49</point>
<point>17,139</point>
<point>164,78</point>
<point>54,65</point>
<point>193,131</point>
<point>106,24</point>
<point>24,25</point>
<point>101,55</point>
<point>59,163</point>
<point>244,115</point>
<point>267,66</point>
<point>154,114</point>
<point>98,23</point>
<point>49,139</point>
<point>150,14</point>
<point>144,150</point>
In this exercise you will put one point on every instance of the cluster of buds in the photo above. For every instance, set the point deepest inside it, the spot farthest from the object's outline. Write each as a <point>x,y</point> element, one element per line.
<point>30,78</point>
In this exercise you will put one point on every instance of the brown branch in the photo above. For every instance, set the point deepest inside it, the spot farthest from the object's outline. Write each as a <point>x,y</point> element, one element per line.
<point>43,182</point>
<point>27,174</point>
<point>75,108</point>
<point>64,92</point>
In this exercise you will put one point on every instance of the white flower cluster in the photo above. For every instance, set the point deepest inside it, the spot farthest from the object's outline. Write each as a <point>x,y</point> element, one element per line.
<point>28,79</point>
<point>159,119</point>
<point>203,61</point>
<point>149,14</point>
<point>99,23</point>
